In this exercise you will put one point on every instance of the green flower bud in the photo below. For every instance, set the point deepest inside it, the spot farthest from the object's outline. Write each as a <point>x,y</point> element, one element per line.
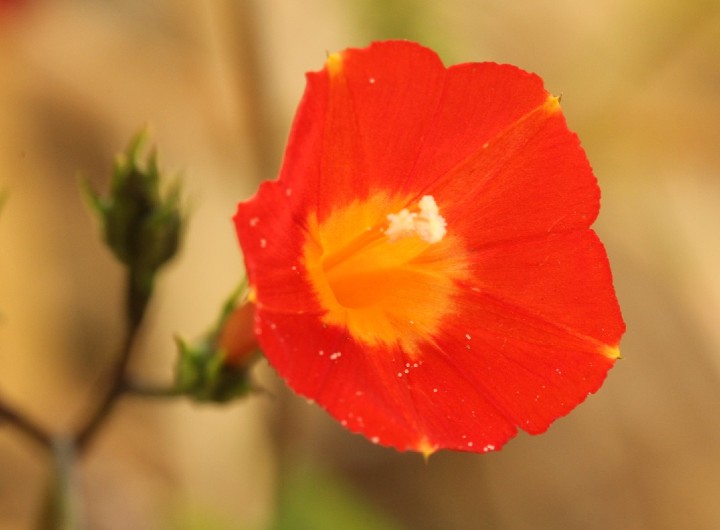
<point>141,227</point>
<point>215,368</point>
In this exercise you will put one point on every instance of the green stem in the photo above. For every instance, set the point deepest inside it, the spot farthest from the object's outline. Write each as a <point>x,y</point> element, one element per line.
<point>62,510</point>
<point>150,390</point>
<point>138,293</point>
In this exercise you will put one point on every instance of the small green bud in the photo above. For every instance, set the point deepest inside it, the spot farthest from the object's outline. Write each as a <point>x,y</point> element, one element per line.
<point>215,368</point>
<point>141,227</point>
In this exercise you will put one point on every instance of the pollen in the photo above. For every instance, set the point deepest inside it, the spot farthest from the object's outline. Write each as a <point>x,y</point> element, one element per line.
<point>427,223</point>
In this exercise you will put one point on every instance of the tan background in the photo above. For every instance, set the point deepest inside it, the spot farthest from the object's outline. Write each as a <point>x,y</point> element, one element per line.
<point>218,81</point>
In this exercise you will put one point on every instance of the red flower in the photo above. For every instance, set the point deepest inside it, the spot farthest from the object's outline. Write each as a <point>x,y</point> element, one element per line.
<point>423,268</point>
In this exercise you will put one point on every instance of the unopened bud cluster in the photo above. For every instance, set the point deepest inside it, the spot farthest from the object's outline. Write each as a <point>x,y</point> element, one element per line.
<point>141,227</point>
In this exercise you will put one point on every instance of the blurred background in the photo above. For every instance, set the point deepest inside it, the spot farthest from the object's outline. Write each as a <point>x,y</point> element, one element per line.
<point>218,83</point>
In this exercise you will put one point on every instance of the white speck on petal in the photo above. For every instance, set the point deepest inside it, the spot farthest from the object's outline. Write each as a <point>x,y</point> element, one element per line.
<point>321,353</point>
<point>470,444</point>
<point>375,439</point>
<point>254,222</point>
<point>288,192</point>
<point>435,390</point>
<point>263,243</point>
<point>335,356</point>
<point>467,336</point>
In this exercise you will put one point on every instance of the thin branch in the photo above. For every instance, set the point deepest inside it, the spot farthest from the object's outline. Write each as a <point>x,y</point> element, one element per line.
<point>63,504</point>
<point>150,390</point>
<point>25,425</point>
<point>138,295</point>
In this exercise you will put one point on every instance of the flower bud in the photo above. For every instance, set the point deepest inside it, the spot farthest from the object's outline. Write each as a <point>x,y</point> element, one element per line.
<point>215,368</point>
<point>237,341</point>
<point>140,226</point>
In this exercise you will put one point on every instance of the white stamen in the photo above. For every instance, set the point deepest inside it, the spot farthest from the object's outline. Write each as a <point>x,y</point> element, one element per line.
<point>428,225</point>
<point>428,205</point>
<point>402,225</point>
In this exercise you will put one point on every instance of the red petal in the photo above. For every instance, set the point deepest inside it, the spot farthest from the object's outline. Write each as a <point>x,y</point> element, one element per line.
<point>561,278</point>
<point>380,102</point>
<point>479,102</point>
<point>530,180</point>
<point>531,371</point>
<point>383,394</point>
<point>532,323</point>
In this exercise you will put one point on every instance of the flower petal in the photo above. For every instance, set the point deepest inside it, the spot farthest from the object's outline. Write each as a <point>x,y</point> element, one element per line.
<point>561,278</point>
<point>380,102</point>
<point>531,180</point>
<point>271,234</point>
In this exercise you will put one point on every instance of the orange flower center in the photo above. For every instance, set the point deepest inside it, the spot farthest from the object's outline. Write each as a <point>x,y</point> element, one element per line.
<point>386,274</point>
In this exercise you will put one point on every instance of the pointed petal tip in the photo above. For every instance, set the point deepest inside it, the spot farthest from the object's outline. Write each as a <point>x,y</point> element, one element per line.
<point>426,448</point>
<point>552,103</point>
<point>333,63</point>
<point>611,352</point>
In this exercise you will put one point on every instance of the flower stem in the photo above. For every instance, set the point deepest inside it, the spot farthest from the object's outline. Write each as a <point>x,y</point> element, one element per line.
<point>150,390</point>
<point>62,506</point>
<point>138,293</point>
